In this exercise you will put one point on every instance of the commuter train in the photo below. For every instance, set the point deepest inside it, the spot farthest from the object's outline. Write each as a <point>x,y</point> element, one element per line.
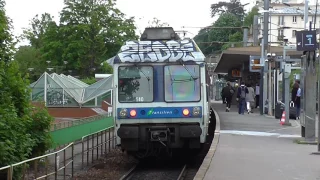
<point>160,94</point>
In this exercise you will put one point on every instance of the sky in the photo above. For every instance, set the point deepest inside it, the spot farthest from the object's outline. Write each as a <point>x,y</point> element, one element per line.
<point>177,13</point>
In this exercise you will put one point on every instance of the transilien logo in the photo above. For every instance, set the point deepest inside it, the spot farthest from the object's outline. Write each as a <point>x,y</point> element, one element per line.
<point>150,112</point>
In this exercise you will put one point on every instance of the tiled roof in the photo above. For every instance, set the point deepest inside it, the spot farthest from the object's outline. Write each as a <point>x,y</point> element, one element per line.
<point>293,10</point>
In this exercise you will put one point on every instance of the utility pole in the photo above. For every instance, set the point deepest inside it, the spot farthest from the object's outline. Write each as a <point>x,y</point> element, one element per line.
<point>306,13</point>
<point>263,77</point>
<point>270,89</point>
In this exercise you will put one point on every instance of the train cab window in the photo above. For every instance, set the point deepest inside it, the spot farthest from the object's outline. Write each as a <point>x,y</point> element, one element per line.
<point>135,84</point>
<point>182,83</point>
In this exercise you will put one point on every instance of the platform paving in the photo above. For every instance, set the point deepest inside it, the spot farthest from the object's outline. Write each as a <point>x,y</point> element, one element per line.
<point>254,147</point>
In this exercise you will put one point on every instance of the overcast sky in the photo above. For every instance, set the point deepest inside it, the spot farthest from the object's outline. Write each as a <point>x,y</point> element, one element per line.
<point>176,13</point>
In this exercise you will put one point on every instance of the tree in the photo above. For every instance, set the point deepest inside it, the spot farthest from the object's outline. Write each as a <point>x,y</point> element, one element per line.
<point>23,131</point>
<point>233,7</point>
<point>157,23</point>
<point>6,40</point>
<point>248,20</point>
<point>29,57</point>
<point>235,38</point>
<point>219,35</point>
<point>92,32</point>
<point>36,32</point>
<point>89,32</point>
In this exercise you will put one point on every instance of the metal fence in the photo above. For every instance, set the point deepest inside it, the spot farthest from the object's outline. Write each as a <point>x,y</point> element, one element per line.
<point>42,167</point>
<point>67,124</point>
<point>65,162</point>
<point>91,143</point>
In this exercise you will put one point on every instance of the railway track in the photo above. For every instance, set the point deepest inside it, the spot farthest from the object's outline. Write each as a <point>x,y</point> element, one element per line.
<point>183,167</point>
<point>140,172</point>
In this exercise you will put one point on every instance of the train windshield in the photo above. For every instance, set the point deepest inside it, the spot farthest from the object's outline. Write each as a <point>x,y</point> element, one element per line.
<point>135,84</point>
<point>182,83</point>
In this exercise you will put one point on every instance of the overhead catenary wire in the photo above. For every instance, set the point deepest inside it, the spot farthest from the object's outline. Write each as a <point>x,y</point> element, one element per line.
<point>222,42</point>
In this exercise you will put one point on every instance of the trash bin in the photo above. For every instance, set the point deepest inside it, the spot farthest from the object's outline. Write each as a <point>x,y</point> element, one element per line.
<point>279,109</point>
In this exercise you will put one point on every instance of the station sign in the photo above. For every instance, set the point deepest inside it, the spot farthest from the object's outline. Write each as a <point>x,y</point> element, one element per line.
<point>306,40</point>
<point>235,73</point>
<point>255,64</point>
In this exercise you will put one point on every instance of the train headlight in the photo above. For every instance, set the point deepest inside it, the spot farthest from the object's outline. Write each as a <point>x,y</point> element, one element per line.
<point>185,112</point>
<point>123,113</point>
<point>196,111</point>
<point>133,113</point>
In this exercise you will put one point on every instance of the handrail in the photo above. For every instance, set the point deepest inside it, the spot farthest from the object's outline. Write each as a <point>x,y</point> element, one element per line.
<point>39,157</point>
<point>56,126</point>
<point>96,132</point>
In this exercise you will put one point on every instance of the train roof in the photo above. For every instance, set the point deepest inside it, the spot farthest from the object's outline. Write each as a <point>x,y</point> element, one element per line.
<point>159,51</point>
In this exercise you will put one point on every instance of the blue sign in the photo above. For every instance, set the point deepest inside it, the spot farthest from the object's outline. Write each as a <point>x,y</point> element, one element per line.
<point>306,40</point>
<point>159,112</point>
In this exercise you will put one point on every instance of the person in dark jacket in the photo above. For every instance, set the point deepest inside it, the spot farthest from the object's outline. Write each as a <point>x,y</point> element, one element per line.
<point>241,97</point>
<point>228,92</point>
<point>294,90</point>
<point>296,99</point>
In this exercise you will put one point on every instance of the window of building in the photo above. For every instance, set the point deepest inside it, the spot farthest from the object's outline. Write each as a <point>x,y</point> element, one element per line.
<point>294,33</point>
<point>280,35</point>
<point>281,20</point>
<point>294,19</point>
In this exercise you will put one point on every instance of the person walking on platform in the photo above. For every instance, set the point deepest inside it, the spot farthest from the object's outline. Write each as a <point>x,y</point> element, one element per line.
<point>241,97</point>
<point>250,98</point>
<point>257,95</point>
<point>297,101</point>
<point>294,98</point>
<point>228,92</point>
<point>222,96</point>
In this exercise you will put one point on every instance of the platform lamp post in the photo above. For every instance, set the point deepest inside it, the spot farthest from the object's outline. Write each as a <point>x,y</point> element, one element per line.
<point>270,59</point>
<point>30,69</point>
<point>65,64</point>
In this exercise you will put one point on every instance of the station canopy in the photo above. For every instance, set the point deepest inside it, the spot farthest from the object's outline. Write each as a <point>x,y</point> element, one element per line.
<point>68,91</point>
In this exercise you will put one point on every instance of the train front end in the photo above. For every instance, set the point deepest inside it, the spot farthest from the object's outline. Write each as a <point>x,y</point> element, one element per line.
<point>160,95</point>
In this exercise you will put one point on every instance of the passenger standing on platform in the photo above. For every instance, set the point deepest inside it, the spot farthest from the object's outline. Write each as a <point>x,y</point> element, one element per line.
<point>294,91</point>
<point>222,95</point>
<point>250,98</point>
<point>241,97</point>
<point>297,101</point>
<point>228,92</point>
<point>257,95</point>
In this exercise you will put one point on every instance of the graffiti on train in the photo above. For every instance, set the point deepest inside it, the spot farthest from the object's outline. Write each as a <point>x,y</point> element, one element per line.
<point>159,51</point>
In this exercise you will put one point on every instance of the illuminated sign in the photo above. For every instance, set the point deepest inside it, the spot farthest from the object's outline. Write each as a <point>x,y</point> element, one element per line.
<point>254,64</point>
<point>236,73</point>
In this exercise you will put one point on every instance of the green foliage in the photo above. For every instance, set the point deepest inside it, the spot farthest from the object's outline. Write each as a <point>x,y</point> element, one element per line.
<point>248,20</point>
<point>23,132</point>
<point>6,40</point>
<point>231,14</point>
<point>292,80</point>
<point>29,57</point>
<point>234,7</point>
<point>41,123</point>
<point>106,68</point>
<point>89,80</point>
<point>89,32</point>
<point>236,37</point>
<point>220,35</point>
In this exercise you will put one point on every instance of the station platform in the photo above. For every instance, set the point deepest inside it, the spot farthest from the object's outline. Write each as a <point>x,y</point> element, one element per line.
<point>251,147</point>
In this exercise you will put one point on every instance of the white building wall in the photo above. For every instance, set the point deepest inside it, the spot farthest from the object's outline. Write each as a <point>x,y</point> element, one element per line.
<point>293,22</point>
